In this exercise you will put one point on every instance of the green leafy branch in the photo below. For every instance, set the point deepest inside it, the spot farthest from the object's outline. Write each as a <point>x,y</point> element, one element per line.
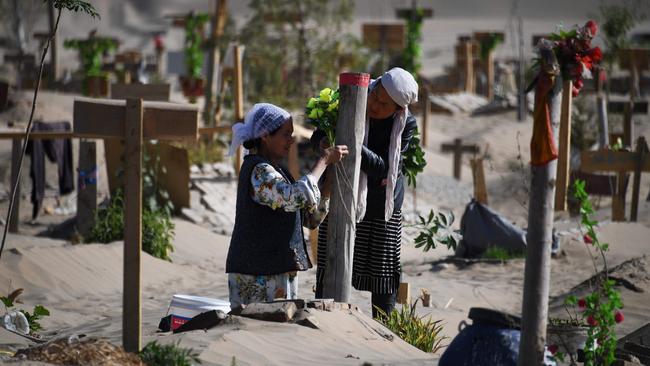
<point>436,230</point>
<point>32,318</point>
<point>194,43</point>
<point>413,160</point>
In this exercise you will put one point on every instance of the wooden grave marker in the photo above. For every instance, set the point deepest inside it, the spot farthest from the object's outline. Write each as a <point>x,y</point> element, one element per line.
<point>635,60</point>
<point>487,65</point>
<point>134,121</point>
<point>621,162</point>
<point>564,148</point>
<point>478,174</point>
<point>457,148</point>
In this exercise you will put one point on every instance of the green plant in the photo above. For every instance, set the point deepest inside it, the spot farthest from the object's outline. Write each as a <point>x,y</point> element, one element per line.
<point>494,252</point>
<point>414,161</point>
<point>617,21</point>
<point>157,227</point>
<point>33,319</point>
<point>601,308</point>
<point>155,354</point>
<point>323,111</point>
<point>194,43</point>
<point>413,51</point>
<point>419,331</point>
<point>91,51</point>
<point>436,230</point>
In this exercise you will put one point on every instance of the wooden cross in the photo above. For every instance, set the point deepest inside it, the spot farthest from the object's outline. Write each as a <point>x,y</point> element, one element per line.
<point>634,60</point>
<point>620,162</point>
<point>134,121</point>
<point>458,149</point>
<point>487,65</point>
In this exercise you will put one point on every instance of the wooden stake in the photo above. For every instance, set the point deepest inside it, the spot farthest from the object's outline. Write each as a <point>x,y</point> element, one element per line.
<point>342,216</point>
<point>16,149</point>
<point>478,173</point>
<point>132,226</point>
<point>603,124</point>
<point>564,158</point>
<point>642,154</point>
<point>86,187</point>
<point>618,199</point>
<point>457,148</point>
<point>313,241</point>
<point>239,99</point>
<point>404,293</point>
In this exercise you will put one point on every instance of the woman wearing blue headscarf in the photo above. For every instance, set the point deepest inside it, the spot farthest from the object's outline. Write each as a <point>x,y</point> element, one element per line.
<point>267,247</point>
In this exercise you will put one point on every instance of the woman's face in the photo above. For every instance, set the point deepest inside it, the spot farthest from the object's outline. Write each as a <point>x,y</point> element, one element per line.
<point>278,144</point>
<point>380,104</point>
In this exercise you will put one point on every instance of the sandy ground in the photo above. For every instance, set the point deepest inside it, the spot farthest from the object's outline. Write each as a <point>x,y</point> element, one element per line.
<point>81,284</point>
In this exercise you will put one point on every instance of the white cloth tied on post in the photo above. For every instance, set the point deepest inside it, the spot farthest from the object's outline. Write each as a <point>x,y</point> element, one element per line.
<point>261,120</point>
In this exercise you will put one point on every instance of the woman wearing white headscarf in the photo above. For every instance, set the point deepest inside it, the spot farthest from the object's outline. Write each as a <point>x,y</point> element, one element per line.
<point>267,247</point>
<point>389,129</point>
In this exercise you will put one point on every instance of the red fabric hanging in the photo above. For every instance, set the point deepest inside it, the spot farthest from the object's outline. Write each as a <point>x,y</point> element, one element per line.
<point>542,145</point>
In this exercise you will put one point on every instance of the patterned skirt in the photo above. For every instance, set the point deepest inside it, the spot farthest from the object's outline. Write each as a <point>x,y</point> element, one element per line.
<point>377,247</point>
<point>246,289</point>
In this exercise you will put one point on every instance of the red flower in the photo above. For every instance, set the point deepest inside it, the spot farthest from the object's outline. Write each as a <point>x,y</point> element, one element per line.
<point>578,83</point>
<point>574,91</point>
<point>553,348</point>
<point>592,321</point>
<point>619,317</point>
<point>582,303</point>
<point>587,239</point>
<point>592,27</point>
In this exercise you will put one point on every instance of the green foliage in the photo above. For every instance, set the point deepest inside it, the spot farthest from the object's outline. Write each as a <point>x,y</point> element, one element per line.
<point>157,227</point>
<point>617,21</point>
<point>155,354</point>
<point>323,112</point>
<point>194,43</point>
<point>413,50</point>
<point>419,331</point>
<point>600,308</point>
<point>90,53</point>
<point>414,161</point>
<point>295,47</point>
<point>488,44</point>
<point>494,252</point>
<point>436,230</point>
<point>75,6</point>
<point>32,318</point>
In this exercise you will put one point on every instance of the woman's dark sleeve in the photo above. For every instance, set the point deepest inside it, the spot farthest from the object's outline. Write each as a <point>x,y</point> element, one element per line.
<point>410,129</point>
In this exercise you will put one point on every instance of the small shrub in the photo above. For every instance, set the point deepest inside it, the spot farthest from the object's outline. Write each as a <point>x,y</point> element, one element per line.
<point>155,354</point>
<point>494,252</point>
<point>33,319</point>
<point>157,228</point>
<point>415,330</point>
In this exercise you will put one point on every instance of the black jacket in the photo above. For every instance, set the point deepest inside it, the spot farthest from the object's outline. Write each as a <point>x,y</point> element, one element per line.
<point>374,162</point>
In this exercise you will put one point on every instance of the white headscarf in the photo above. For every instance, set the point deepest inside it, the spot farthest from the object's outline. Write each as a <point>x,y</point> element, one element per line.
<point>403,90</point>
<point>261,120</point>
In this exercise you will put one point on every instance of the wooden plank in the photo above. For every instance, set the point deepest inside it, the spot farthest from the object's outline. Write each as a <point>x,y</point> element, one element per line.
<point>342,216</point>
<point>642,155</point>
<point>158,92</point>
<point>404,293</point>
<point>564,151</point>
<point>618,200</point>
<point>619,106</point>
<point>86,187</point>
<point>610,161</point>
<point>239,99</point>
<point>132,316</point>
<point>16,149</point>
<point>480,188</point>
<point>104,118</point>
<point>18,134</point>
<point>382,35</point>
<point>634,58</point>
<point>313,243</point>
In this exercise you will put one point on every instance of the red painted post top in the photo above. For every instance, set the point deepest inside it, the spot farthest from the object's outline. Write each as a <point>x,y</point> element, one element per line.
<point>354,78</point>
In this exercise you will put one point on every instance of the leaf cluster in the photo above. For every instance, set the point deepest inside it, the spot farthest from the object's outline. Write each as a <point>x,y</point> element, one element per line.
<point>76,6</point>
<point>322,112</point>
<point>91,51</point>
<point>436,230</point>
<point>413,160</point>
<point>194,43</point>
<point>419,331</point>
<point>32,318</point>
<point>156,354</point>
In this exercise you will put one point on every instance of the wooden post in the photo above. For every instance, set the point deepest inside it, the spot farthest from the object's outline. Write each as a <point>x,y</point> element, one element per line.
<point>218,22</point>
<point>522,102</point>
<point>16,149</point>
<point>341,228</point>
<point>313,242</point>
<point>132,225</point>
<point>404,293</point>
<point>458,149</point>
<point>538,252</point>
<point>468,67</point>
<point>564,158</point>
<point>239,99</point>
<point>478,173</point>
<point>628,124</point>
<point>489,74</point>
<point>618,199</point>
<point>425,121</point>
<point>601,106</point>
<point>86,187</point>
<point>642,154</point>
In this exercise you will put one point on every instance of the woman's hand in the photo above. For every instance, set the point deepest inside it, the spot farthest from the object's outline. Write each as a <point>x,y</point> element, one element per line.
<point>334,154</point>
<point>324,143</point>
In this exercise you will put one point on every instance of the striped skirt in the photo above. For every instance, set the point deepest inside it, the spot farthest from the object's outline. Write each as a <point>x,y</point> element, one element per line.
<point>376,263</point>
